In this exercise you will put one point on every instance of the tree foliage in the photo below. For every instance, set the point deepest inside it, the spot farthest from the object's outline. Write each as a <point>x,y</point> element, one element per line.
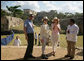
<point>4,13</point>
<point>15,11</point>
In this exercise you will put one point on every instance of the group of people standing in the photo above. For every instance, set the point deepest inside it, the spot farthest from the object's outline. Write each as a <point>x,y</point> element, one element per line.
<point>71,36</point>
<point>44,34</point>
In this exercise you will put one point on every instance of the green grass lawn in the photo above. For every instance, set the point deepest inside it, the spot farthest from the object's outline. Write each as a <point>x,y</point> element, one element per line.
<point>37,30</point>
<point>62,40</point>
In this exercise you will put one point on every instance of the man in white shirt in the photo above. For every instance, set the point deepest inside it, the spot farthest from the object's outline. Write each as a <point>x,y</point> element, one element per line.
<point>71,37</point>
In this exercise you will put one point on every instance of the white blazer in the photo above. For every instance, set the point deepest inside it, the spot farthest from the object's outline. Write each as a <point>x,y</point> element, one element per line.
<point>44,31</point>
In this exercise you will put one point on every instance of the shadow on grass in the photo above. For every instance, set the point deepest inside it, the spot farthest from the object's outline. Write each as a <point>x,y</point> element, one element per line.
<point>37,58</point>
<point>63,58</point>
<point>48,55</point>
<point>20,59</point>
<point>6,32</point>
<point>14,30</point>
<point>80,53</point>
<point>18,31</point>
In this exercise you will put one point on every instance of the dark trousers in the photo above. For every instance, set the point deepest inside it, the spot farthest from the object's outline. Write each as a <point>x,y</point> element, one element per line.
<point>38,43</point>
<point>30,42</point>
<point>35,41</point>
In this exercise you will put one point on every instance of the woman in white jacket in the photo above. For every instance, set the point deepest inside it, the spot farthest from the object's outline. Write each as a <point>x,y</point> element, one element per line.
<point>44,35</point>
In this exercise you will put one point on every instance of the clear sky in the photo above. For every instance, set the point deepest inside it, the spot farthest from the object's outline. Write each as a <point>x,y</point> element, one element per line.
<point>60,6</point>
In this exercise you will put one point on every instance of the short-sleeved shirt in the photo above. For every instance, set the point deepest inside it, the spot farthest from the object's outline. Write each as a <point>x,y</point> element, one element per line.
<point>72,36</point>
<point>29,25</point>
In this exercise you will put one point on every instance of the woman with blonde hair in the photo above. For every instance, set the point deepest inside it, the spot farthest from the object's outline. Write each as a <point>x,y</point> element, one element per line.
<point>55,26</point>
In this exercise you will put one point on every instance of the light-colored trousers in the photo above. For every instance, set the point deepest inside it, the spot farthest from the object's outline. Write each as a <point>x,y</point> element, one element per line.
<point>44,44</point>
<point>54,40</point>
<point>71,48</point>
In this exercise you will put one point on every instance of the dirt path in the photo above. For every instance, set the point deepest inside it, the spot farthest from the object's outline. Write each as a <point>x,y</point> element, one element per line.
<point>17,53</point>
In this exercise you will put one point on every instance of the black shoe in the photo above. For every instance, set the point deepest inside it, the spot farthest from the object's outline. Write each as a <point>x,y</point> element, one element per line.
<point>66,56</point>
<point>71,57</point>
<point>53,53</point>
<point>32,57</point>
<point>44,57</point>
<point>25,58</point>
